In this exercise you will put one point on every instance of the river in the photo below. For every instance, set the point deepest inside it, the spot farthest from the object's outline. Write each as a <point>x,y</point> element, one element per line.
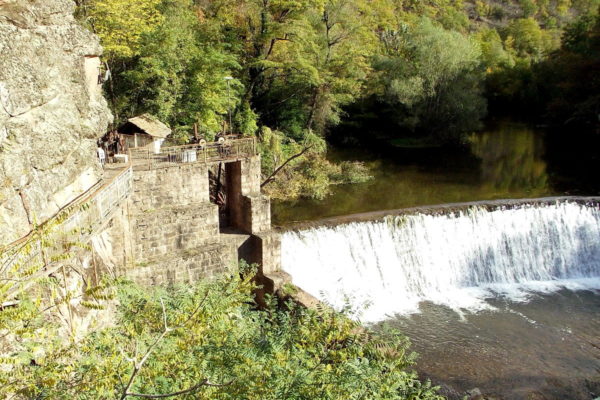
<point>510,160</point>
<point>506,300</point>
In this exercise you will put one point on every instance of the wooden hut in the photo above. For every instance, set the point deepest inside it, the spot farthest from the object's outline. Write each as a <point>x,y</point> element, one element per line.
<point>144,131</point>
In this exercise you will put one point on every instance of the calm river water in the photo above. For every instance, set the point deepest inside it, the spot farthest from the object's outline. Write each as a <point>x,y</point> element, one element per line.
<point>508,161</point>
<point>547,347</point>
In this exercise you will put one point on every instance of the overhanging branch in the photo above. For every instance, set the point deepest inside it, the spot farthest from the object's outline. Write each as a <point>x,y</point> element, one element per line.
<point>271,177</point>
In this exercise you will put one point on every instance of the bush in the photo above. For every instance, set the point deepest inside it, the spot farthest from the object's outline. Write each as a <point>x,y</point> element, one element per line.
<point>209,341</point>
<point>498,13</point>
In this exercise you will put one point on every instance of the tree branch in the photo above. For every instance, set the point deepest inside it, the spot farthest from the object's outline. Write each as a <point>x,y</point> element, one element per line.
<point>205,382</point>
<point>137,366</point>
<point>272,176</point>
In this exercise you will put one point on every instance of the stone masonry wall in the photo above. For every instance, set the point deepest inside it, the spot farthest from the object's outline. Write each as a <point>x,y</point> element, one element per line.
<point>183,267</point>
<point>256,213</point>
<point>251,176</point>
<point>270,248</point>
<point>169,231</point>
<point>173,229</point>
<point>167,187</point>
<point>252,212</point>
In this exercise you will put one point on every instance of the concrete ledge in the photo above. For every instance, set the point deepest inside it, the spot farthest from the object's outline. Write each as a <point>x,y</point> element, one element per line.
<point>276,282</point>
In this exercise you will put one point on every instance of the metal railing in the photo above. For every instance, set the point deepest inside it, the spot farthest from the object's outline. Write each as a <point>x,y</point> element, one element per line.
<point>232,149</point>
<point>75,223</point>
<point>98,207</point>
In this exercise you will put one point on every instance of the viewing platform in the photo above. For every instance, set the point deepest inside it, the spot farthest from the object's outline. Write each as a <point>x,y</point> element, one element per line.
<point>229,150</point>
<point>90,212</point>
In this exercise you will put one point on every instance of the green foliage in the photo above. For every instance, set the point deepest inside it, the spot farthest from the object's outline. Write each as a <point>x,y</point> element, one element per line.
<point>527,39</point>
<point>529,8</point>
<point>560,88</point>
<point>482,9</point>
<point>179,73</point>
<point>587,7</point>
<point>562,6</point>
<point>352,172</point>
<point>121,24</point>
<point>309,175</point>
<point>39,290</point>
<point>300,65</point>
<point>493,54</point>
<point>577,36</point>
<point>434,77</point>
<point>498,13</point>
<point>450,13</point>
<point>209,337</point>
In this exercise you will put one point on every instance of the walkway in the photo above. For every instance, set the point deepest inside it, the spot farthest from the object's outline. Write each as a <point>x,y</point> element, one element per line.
<point>228,151</point>
<point>80,219</point>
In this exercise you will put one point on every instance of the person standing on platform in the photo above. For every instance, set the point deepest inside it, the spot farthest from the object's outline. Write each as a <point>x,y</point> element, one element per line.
<point>101,155</point>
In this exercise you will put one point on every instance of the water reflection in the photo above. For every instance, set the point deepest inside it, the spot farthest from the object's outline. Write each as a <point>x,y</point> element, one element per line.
<point>511,159</point>
<point>504,162</point>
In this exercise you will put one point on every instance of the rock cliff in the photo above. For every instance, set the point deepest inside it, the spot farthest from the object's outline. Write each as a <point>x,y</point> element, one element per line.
<point>51,111</point>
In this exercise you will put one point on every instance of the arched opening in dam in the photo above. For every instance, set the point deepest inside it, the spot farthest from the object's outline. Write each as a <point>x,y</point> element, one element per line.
<point>503,297</point>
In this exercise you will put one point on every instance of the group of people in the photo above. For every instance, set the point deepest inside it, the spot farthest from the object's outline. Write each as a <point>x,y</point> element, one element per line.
<point>112,143</point>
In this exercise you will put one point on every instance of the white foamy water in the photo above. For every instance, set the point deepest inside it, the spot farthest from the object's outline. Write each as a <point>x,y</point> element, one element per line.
<point>457,260</point>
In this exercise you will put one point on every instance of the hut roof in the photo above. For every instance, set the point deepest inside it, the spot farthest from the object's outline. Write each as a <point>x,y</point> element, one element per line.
<point>151,126</point>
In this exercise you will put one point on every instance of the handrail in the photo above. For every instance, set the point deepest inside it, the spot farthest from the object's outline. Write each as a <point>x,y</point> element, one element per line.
<point>90,211</point>
<point>232,149</point>
<point>79,201</point>
<point>103,202</point>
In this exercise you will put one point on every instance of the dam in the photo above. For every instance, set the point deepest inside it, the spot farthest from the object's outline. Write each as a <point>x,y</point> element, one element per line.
<point>499,296</point>
<point>455,256</point>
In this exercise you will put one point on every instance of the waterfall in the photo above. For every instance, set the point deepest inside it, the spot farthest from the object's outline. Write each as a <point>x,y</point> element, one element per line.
<point>458,260</point>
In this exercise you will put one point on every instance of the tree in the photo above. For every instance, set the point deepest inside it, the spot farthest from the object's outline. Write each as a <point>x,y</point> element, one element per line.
<point>339,46</point>
<point>208,341</point>
<point>529,7</point>
<point>433,78</point>
<point>121,24</point>
<point>527,39</point>
<point>493,54</point>
<point>179,74</point>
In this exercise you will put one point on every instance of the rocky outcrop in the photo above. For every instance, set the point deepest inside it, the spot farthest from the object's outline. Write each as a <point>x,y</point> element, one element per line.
<point>51,111</point>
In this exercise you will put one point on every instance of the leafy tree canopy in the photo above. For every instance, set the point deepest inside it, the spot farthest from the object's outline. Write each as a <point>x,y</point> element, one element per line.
<point>434,77</point>
<point>209,341</point>
<point>121,24</point>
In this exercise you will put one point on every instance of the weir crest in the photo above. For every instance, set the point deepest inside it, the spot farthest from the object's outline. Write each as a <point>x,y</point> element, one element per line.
<point>457,259</point>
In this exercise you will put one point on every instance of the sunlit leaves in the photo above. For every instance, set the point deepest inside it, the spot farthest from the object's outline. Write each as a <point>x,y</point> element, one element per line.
<point>280,352</point>
<point>121,24</point>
